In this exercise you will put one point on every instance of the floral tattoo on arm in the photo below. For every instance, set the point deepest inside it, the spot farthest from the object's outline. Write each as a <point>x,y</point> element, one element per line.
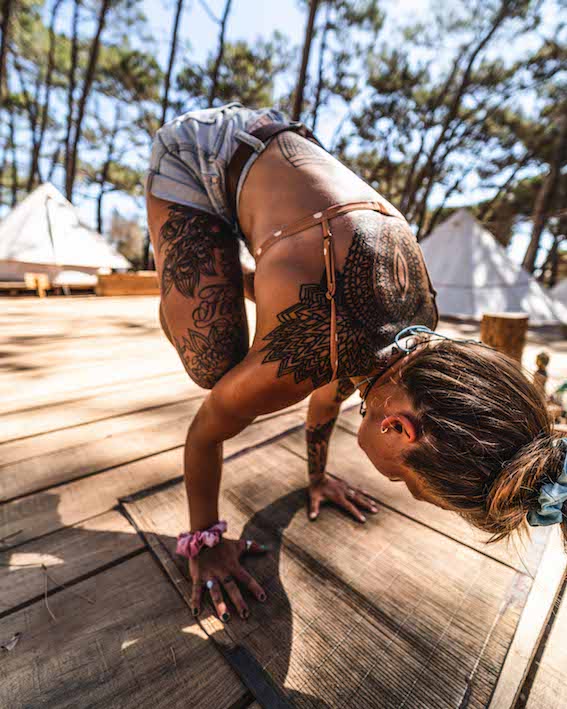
<point>317,439</point>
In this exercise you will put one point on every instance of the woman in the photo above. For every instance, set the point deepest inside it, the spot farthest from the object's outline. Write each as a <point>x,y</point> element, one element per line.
<point>338,275</point>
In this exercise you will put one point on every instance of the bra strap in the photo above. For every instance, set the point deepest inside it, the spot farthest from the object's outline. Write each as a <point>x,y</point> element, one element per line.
<point>336,210</point>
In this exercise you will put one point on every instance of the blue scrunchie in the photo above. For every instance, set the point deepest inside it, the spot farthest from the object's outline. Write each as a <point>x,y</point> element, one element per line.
<point>551,499</point>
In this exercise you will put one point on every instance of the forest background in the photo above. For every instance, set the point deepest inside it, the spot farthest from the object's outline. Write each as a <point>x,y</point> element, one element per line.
<point>436,103</point>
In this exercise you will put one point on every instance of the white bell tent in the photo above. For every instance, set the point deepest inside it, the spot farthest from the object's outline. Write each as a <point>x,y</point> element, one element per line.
<point>44,234</point>
<point>473,274</point>
<point>559,292</point>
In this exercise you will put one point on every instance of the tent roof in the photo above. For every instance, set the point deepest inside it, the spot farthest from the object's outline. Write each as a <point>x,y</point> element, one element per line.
<point>45,228</point>
<point>473,274</point>
<point>559,292</point>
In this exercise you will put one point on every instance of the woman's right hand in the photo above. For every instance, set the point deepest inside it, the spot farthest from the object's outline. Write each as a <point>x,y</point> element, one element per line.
<point>220,565</point>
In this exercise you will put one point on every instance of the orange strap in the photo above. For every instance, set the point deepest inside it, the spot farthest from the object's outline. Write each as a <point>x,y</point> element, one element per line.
<point>324,218</point>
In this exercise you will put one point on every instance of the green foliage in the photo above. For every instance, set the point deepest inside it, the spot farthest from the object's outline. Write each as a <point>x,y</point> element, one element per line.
<point>246,74</point>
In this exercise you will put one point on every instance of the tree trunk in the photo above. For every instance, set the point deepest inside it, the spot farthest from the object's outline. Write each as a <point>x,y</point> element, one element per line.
<point>34,167</point>
<point>172,50</point>
<point>14,162</point>
<point>298,101</point>
<point>87,85</point>
<point>71,91</point>
<point>7,7</point>
<point>320,77</point>
<point>545,196</point>
<point>220,54</point>
<point>506,332</point>
<point>106,167</point>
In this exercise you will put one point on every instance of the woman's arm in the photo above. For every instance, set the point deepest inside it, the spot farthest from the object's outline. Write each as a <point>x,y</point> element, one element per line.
<point>324,406</point>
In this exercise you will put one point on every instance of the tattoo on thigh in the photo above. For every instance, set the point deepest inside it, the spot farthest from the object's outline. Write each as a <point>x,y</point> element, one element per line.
<point>190,240</point>
<point>382,289</point>
<point>299,151</point>
<point>222,341</point>
<point>317,439</point>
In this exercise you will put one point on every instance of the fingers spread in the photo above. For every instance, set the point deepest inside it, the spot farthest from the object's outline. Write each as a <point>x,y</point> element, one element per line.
<point>314,504</point>
<point>253,586</point>
<point>362,501</point>
<point>196,598</point>
<point>249,546</point>
<point>216,596</point>
<point>355,512</point>
<point>231,588</point>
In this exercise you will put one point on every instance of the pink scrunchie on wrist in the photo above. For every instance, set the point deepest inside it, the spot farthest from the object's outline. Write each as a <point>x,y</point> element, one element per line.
<point>189,544</point>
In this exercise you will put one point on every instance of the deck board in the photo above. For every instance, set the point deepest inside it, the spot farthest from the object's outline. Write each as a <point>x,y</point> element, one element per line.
<point>370,615</point>
<point>52,509</point>
<point>100,446</point>
<point>409,610</point>
<point>549,690</point>
<point>68,554</point>
<point>135,646</point>
<point>107,403</point>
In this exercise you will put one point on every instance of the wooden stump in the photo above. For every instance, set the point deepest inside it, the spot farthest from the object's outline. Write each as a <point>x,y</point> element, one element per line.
<point>506,332</point>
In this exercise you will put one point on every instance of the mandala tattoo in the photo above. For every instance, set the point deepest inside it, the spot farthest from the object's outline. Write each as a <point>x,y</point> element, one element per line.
<point>189,239</point>
<point>383,288</point>
<point>299,151</point>
<point>317,439</point>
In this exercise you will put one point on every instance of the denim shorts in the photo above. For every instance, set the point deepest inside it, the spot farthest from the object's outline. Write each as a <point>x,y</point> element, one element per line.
<point>190,155</point>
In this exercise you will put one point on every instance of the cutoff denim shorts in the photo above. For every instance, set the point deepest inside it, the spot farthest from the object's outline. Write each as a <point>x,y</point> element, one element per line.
<point>190,155</point>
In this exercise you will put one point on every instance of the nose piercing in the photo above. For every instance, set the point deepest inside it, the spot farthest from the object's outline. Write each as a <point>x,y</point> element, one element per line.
<point>384,429</point>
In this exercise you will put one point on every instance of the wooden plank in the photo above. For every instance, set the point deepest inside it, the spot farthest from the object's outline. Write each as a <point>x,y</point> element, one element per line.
<point>128,284</point>
<point>136,646</point>
<point>44,512</point>
<point>551,679</point>
<point>390,613</point>
<point>348,461</point>
<point>110,402</point>
<point>54,441</point>
<point>100,446</point>
<point>58,386</point>
<point>67,555</point>
<point>549,690</point>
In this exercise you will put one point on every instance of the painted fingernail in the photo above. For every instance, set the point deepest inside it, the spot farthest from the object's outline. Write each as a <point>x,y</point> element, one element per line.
<point>195,612</point>
<point>262,597</point>
<point>362,518</point>
<point>374,509</point>
<point>245,613</point>
<point>225,617</point>
<point>312,515</point>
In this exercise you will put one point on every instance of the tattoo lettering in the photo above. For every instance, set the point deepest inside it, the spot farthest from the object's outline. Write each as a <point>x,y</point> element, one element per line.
<point>190,239</point>
<point>209,355</point>
<point>317,439</point>
<point>382,289</point>
<point>300,151</point>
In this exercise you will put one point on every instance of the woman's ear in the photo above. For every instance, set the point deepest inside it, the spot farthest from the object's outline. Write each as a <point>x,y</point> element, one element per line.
<point>401,424</point>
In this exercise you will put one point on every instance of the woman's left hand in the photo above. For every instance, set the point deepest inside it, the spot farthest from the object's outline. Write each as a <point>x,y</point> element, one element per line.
<point>340,493</point>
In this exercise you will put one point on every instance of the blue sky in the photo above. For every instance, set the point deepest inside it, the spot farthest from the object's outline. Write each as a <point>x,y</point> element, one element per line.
<point>250,19</point>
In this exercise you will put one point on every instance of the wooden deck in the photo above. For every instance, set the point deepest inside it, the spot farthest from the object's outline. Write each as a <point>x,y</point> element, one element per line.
<point>410,610</point>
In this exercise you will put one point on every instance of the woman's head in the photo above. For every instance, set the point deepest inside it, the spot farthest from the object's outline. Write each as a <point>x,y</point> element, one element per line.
<point>466,430</point>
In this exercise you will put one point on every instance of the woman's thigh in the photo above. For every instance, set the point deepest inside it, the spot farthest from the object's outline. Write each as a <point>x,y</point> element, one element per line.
<point>202,298</point>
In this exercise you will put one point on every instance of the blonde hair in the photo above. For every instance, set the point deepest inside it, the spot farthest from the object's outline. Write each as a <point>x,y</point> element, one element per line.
<point>486,440</point>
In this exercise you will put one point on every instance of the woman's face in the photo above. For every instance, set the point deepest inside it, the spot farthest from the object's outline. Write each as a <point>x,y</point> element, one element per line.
<point>389,408</point>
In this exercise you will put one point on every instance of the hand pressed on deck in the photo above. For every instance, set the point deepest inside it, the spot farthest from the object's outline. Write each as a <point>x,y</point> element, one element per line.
<point>218,568</point>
